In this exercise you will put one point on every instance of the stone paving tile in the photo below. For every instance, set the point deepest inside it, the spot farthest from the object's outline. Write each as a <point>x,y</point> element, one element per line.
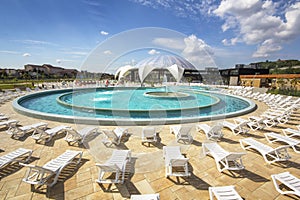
<point>253,183</point>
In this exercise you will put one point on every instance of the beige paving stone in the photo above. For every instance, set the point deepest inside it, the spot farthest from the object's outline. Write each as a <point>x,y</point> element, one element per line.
<point>79,192</point>
<point>144,187</point>
<point>160,184</point>
<point>255,182</point>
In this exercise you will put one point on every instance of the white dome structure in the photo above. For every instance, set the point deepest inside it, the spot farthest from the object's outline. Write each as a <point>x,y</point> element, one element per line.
<point>174,64</point>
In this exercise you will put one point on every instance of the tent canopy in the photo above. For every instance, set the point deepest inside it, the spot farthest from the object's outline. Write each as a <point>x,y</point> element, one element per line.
<point>174,64</point>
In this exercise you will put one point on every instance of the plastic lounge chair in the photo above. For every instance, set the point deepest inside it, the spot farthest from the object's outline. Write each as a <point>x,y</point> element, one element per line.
<point>274,137</point>
<point>270,120</point>
<point>47,135</point>
<point>9,123</point>
<point>114,136</point>
<point>224,193</point>
<point>149,135</point>
<point>40,175</point>
<point>145,197</point>
<point>176,164</point>
<point>239,126</point>
<point>3,117</point>
<point>182,132</point>
<point>291,132</point>
<point>15,156</point>
<point>79,136</point>
<point>18,132</point>
<point>224,159</point>
<point>211,132</point>
<point>288,180</point>
<point>256,123</point>
<point>116,165</point>
<point>270,154</point>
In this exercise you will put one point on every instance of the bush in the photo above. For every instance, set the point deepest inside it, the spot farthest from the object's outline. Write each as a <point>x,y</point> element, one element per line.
<point>289,92</point>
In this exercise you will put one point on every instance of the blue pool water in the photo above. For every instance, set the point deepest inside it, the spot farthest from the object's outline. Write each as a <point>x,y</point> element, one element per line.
<point>120,103</point>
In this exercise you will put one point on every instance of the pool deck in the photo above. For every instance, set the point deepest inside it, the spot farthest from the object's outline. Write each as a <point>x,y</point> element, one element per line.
<point>146,172</point>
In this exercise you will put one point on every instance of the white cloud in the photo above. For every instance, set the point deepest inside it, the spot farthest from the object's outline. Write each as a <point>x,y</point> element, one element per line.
<point>256,22</point>
<point>185,9</point>
<point>26,54</point>
<point>191,48</point>
<point>198,52</point>
<point>172,43</point>
<point>107,52</point>
<point>9,52</point>
<point>153,52</point>
<point>36,42</point>
<point>103,33</point>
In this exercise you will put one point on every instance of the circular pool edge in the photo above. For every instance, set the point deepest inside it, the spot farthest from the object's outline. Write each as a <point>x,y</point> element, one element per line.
<point>124,122</point>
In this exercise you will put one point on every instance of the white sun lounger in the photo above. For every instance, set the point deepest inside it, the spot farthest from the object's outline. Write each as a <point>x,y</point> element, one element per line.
<point>212,132</point>
<point>149,135</point>
<point>176,164</point>
<point>224,159</point>
<point>47,135</point>
<point>9,123</point>
<point>116,165</point>
<point>224,193</point>
<point>74,136</point>
<point>15,156</point>
<point>145,197</point>
<point>239,126</point>
<point>3,117</point>
<point>291,132</point>
<point>274,137</point>
<point>17,132</point>
<point>114,136</point>
<point>256,123</point>
<point>182,132</point>
<point>270,154</point>
<point>40,175</point>
<point>288,180</point>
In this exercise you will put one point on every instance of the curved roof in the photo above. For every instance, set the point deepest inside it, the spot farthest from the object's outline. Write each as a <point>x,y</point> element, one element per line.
<point>164,61</point>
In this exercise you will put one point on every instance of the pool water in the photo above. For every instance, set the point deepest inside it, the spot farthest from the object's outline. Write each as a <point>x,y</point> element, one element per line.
<point>120,103</point>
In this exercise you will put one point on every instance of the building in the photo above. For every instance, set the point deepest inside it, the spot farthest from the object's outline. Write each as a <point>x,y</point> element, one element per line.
<point>232,76</point>
<point>271,80</point>
<point>49,71</point>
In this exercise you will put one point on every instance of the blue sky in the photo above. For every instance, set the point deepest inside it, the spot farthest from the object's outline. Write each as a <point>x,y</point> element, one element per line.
<point>210,32</point>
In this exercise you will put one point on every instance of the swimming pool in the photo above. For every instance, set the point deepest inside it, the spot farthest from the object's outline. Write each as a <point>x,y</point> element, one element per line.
<point>131,106</point>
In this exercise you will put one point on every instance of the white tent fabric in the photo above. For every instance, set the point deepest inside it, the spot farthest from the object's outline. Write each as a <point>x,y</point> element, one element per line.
<point>122,70</point>
<point>174,64</point>
<point>144,71</point>
<point>176,71</point>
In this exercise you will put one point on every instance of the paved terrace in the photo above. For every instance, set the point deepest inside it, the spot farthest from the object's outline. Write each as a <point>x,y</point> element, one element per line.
<point>146,172</point>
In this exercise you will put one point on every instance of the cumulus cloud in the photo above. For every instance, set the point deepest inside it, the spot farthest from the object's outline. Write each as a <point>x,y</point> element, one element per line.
<point>107,52</point>
<point>153,52</point>
<point>257,22</point>
<point>198,52</point>
<point>191,48</point>
<point>103,33</point>
<point>26,54</point>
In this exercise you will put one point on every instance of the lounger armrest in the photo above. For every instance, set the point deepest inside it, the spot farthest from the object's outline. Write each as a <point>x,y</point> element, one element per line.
<point>38,168</point>
<point>108,167</point>
<point>235,155</point>
<point>282,152</point>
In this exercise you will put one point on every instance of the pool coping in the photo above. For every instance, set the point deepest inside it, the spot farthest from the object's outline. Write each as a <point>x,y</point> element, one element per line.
<point>123,122</point>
